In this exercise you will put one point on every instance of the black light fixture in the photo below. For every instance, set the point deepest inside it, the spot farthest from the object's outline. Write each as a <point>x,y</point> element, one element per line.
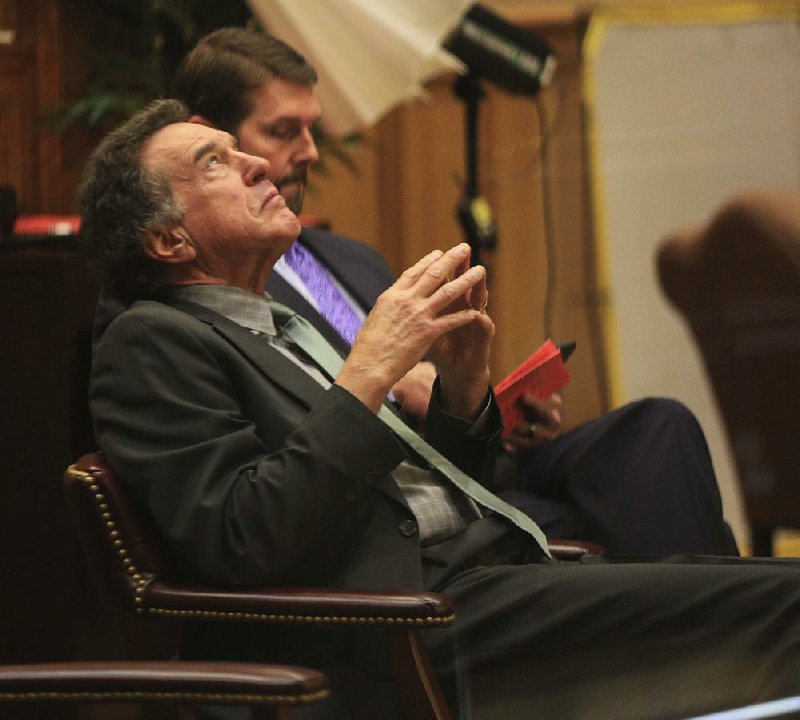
<point>507,55</point>
<point>515,60</point>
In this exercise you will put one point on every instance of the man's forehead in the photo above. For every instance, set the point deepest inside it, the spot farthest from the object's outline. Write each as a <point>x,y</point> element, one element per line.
<point>277,98</point>
<point>182,140</point>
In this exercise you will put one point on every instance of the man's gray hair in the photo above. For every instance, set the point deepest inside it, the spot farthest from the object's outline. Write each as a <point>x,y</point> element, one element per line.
<point>121,202</point>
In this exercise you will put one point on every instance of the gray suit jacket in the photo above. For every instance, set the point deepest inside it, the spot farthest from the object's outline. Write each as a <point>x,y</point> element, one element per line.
<point>253,472</point>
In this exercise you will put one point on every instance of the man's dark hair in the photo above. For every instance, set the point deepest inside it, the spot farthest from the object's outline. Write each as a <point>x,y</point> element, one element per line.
<point>216,79</point>
<point>121,201</point>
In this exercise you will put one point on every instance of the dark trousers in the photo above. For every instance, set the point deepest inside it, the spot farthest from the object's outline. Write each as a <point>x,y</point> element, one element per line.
<point>613,638</point>
<point>636,480</point>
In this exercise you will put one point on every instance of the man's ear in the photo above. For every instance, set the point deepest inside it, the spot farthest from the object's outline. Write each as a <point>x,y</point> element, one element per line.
<point>200,120</point>
<point>170,246</point>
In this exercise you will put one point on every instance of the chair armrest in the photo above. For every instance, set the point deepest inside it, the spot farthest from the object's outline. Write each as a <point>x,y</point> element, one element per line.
<point>295,605</point>
<point>180,681</point>
<point>572,549</point>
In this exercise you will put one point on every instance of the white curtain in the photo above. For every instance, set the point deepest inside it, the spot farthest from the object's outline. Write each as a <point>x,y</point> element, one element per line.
<point>370,54</point>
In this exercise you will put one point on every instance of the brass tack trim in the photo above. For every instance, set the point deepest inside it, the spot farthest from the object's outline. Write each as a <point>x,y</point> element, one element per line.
<point>141,585</point>
<point>301,619</point>
<point>130,567</point>
<point>138,695</point>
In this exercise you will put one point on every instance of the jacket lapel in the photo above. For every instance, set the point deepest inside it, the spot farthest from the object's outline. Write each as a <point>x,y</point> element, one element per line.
<point>269,361</point>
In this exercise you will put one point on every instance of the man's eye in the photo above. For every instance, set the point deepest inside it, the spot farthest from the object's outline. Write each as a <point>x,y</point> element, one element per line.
<point>283,133</point>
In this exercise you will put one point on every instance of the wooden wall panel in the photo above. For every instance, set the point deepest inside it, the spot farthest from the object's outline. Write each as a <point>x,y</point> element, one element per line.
<point>36,74</point>
<point>20,167</point>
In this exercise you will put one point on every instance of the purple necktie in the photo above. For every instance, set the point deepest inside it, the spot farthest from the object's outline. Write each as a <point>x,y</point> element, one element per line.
<point>333,306</point>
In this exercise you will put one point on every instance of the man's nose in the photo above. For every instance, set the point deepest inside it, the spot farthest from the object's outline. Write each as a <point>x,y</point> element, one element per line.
<point>306,152</point>
<point>254,168</point>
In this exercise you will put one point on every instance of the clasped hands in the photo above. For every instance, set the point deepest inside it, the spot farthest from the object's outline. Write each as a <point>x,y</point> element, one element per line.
<point>436,310</point>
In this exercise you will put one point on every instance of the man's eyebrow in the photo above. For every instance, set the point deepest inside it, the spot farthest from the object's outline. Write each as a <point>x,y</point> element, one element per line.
<point>288,119</point>
<point>203,150</point>
<point>211,145</point>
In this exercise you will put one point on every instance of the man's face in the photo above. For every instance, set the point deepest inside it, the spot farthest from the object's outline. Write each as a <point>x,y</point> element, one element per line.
<point>279,130</point>
<point>233,214</point>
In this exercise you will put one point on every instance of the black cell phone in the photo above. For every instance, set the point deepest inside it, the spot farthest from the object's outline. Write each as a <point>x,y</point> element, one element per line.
<point>566,349</point>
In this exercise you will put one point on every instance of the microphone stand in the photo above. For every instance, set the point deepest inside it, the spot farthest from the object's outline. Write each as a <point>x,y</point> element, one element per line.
<point>473,210</point>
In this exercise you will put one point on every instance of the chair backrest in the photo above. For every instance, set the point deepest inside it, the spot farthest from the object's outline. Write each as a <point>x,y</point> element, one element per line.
<point>736,281</point>
<point>123,548</point>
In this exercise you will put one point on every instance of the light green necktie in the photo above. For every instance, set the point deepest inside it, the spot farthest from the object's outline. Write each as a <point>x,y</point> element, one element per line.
<point>308,339</point>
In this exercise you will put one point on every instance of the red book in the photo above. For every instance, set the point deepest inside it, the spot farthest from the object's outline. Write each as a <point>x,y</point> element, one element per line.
<point>541,374</point>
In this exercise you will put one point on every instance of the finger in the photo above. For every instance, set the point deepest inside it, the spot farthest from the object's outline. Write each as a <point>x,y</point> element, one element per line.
<point>479,295</point>
<point>441,271</point>
<point>534,407</point>
<point>532,434</point>
<point>410,276</point>
<point>456,289</point>
<point>462,266</point>
<point>459,318</point>
<point>515,445</point>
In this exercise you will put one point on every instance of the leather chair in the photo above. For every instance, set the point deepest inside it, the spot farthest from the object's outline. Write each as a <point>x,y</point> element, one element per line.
<point>736,281</point>
<point>272,691</point>
<point>134,577</point>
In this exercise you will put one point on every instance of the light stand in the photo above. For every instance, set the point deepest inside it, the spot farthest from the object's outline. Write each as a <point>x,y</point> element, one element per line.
<point>515,60</point>
<point>473,210</point>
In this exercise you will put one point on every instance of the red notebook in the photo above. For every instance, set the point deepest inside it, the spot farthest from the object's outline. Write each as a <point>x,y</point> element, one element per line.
<point>541,374</point>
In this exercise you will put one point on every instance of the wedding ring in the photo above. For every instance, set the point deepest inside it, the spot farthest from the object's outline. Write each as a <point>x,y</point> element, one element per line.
<point>482,308</point>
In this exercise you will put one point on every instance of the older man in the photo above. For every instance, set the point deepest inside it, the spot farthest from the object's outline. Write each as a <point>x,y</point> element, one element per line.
<point>637,480</point>
<point>264,458</point>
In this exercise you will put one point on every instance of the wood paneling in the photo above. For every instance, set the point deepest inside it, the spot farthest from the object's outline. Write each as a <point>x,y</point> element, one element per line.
<point>35,71</point>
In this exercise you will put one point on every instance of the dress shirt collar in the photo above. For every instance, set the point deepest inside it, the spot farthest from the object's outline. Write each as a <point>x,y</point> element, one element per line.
<point>240,306</point>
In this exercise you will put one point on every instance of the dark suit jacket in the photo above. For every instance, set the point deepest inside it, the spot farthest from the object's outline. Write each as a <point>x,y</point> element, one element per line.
<point>253,472</point>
